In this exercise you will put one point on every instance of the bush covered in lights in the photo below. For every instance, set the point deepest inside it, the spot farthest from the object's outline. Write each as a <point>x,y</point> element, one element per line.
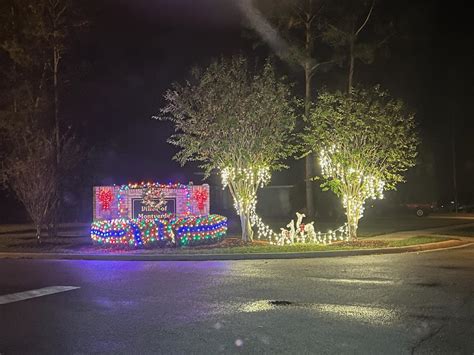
<point>238,121</point>
<point>365,141</point>
<point>175,231</point>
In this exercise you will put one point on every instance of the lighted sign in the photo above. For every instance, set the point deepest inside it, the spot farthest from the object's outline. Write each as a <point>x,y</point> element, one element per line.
<point>141,210</point>
<point>130,201</point>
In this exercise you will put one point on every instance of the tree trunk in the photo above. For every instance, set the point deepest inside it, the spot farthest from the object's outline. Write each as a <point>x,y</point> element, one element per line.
<point>352,219</point>
<point>453,156</point>
<point>309,158</point>
<point>351,66</point>
<point>15,76</point>
<point>247,232</point>
<point>56,58</point>
<point>52,226</point>
<point>308,74</point>
<point>38,233</point>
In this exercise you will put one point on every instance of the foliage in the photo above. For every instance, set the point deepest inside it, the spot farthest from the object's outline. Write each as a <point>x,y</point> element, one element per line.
<point>365,141</point>
<point>235,120</point>
<point>34,36</point>
<point>354,32</point>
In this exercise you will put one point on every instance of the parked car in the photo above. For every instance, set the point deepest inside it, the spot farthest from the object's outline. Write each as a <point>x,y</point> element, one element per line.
<point>450,206</point>
<point>466,208</point>
<point>421,209</point>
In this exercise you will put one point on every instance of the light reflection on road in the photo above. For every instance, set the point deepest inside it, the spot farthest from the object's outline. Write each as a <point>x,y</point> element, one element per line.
<point>361,313</point>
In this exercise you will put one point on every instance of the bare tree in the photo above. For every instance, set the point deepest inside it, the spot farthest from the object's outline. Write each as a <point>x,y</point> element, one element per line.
<point>29,168</point>
<point>59,18</point>
<point>30,175</point>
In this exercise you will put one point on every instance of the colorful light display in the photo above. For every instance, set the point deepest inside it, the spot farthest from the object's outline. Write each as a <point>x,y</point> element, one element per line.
<point>200,196</point>
<point>189,227</point>
<point>151,189</point>
<point>178,231</point>
<point>105,198</point>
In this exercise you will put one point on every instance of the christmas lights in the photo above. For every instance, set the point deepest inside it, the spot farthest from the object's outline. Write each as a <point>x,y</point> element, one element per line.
<point>305,233</point>
<point>142,232</point>
<point>245,200</point>
<point>152,190</point>
<point>243,184</point>
<point>354,185</point>
<point>105,197</point>
<point>200,196</point>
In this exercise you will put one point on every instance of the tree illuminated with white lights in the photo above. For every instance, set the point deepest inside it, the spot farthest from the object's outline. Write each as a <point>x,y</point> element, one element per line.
<point>365,141</point>
<point>236,120</point>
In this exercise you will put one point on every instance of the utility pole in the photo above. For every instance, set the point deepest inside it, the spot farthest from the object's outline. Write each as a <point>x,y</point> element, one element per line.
<point>453,158</point>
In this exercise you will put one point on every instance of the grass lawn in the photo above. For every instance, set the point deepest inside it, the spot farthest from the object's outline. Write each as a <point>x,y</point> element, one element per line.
<point>226,246</point>
<point>378,226</point>
<point>462,232</point>
<point>251,249</point>
<point>374,226</point>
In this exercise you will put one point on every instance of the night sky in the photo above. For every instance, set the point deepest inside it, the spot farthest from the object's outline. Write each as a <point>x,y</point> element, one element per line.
<point>134,49</point>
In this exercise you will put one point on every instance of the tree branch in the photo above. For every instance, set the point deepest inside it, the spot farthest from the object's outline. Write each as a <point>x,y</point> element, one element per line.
<point>366,19</point>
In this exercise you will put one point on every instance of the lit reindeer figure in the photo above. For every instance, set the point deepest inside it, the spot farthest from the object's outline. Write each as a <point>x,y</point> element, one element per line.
<point>292,232</point>
<point>300,227</point>
<point>284,237</point>
<point>309,231</point>
<point>304,233</point>
<point>287,236</point>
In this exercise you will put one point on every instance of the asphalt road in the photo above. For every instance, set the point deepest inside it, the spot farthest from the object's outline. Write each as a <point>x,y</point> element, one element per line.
<point>404,303</point>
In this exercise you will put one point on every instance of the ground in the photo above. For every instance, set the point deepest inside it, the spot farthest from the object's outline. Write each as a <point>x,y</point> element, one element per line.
<point>403,303</point>
<point>374,232</point>
<point>394,303</point>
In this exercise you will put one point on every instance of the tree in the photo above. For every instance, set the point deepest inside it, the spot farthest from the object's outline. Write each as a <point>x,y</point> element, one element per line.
<point>365,141</point>
<point>30,171</point>
<point>237,121</point>
<point>34,37</point>
<point>347,20</point>
<point>291,28</point>
<point>31,178</point>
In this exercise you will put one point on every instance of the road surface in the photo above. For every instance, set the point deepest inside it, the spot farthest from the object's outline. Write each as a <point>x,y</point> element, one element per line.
<point>400,304</point>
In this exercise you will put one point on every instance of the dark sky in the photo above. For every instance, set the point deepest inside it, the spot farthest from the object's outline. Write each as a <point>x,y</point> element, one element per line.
<point>134,50</point>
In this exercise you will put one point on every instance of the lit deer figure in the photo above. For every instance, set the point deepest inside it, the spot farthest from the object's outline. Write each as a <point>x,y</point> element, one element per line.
<point>292,231</point>
<point>309,231</point>
<point>299,226</point>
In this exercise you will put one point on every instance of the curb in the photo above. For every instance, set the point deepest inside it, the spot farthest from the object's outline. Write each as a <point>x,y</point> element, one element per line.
<point>250,256</point>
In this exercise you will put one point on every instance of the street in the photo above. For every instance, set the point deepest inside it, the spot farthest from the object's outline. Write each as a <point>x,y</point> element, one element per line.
<point>400,303</point>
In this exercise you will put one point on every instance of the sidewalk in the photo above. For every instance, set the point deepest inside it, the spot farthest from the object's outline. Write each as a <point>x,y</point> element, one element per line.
<point>435,232</point>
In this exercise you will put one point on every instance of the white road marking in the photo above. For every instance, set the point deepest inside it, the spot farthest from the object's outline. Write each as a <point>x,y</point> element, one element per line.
<point>45,291</point>
<point>356,281</point>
